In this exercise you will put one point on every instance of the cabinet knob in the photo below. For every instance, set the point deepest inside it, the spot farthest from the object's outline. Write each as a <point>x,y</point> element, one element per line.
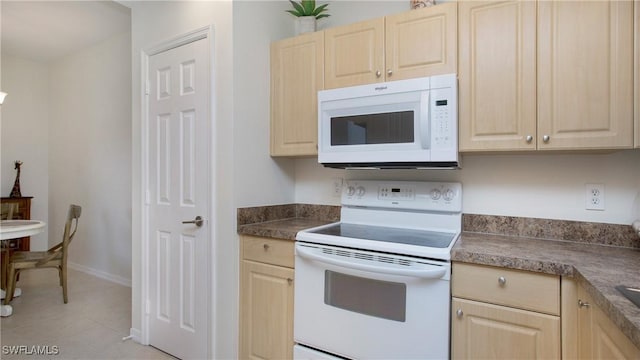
<point>546,138</point>
<point>529,139</point>
<point>266,247</point>
<point>459,313</point>
<point>583,304</point>
<point>389,72</point>
<point>289,281</point>
<point>378,73</point>
<point>502,280</point>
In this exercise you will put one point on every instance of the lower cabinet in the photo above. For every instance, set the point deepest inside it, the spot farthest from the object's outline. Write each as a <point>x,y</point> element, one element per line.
<point>504,314</point>
<point>487,331</point>
<point>598,337</point>
<point>266,298</point>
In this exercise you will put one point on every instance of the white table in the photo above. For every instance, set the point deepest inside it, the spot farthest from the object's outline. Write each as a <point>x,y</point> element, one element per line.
<point>14,229</point>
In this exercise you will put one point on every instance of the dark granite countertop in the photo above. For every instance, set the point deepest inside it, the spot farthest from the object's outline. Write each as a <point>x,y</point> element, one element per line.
<point>280,229</point>
<point>595,267</point>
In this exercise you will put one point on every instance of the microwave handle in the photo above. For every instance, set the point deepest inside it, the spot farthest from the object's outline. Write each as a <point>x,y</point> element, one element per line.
<point>436,273</point>
<point>425,110</point>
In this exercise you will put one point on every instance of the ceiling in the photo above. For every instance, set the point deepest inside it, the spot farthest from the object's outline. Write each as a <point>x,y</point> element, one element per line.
<point>48,30</point>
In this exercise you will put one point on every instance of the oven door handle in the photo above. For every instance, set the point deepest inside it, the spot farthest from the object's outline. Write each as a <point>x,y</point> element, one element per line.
<point>382,269</point>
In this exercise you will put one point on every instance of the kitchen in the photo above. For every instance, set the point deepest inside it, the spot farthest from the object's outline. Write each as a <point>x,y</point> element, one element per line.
<point>516,177</point>
<point>526,185</point>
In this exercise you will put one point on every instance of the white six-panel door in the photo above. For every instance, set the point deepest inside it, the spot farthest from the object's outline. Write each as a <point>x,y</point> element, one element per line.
<point>178,190</point>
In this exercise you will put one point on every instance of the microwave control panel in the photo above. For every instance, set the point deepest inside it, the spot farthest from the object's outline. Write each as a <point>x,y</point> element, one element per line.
<point>443,118</point>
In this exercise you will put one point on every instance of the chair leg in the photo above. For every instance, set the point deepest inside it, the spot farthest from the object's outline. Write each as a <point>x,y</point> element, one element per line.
<point>64,284</point>
<point>11,285</point>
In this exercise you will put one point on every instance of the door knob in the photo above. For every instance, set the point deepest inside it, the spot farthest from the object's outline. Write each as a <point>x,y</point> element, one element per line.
<point>198,221</point>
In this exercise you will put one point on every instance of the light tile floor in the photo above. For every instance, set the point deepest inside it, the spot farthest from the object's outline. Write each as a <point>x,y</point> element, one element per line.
<point>90,326</point>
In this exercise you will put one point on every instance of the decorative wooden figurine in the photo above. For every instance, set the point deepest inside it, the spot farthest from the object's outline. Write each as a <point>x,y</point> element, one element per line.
<point>15,192</point>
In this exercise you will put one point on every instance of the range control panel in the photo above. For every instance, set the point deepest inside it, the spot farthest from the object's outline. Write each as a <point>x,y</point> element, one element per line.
<point>409,195</point>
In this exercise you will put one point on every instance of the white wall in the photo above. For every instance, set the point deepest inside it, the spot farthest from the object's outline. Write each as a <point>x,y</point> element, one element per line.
<point>152,23</point>
<point>90,155</point>
<point>25,126</point>
<point>548,186</point>
<point>259,178</point>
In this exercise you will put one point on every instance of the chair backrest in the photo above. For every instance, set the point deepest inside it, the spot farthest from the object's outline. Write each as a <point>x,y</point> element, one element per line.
<point>73,214</point>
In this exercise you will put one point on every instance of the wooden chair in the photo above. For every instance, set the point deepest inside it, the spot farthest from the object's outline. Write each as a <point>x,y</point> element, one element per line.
<point>55,257</point>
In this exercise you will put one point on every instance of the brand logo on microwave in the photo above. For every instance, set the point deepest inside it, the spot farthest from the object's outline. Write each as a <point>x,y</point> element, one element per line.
<point>380,88</point>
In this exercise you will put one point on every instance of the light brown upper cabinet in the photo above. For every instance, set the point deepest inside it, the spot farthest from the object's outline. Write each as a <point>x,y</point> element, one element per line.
<point>585,74</point>
<point>497,75</point>
<point>297,73</point>
<point>411,44</point>
<point>576,92</point>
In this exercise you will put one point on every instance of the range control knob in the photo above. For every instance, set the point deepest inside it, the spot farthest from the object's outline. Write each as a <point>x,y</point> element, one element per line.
<point>360,190</point>
<point>435,194</point>
<point>449,195</point>
<point>351,190</point>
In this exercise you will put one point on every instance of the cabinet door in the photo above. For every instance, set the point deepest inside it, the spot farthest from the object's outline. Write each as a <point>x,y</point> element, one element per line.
<point>497,75</point>
<point>297,68</point>
<point>354,54</point>
<point>486,331</point>
<point>599,337</point>
<point>585,74</point>
<point>421,42</point>
<point>266,311</point>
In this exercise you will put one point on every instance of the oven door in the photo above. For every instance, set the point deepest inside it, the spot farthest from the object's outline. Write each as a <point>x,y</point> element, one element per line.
<point>367,305</point>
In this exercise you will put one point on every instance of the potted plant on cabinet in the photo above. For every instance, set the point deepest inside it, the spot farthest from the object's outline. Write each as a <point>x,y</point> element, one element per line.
<point>306,14</point>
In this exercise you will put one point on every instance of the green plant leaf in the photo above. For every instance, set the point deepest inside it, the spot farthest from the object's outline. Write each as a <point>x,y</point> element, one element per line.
<point>322,16</point>
<point>299,11</point>
<point>308,6</point>
<point>320,9</point>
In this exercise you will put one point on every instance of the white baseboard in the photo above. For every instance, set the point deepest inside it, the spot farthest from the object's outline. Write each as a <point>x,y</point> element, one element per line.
<point>101,274</point>
<point>136,335</point>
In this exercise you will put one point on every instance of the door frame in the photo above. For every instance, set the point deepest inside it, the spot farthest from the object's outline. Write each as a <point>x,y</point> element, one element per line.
<point>208,33</point>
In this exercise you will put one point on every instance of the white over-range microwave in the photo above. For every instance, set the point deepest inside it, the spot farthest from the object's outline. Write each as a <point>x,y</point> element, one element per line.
<point>405,124</point>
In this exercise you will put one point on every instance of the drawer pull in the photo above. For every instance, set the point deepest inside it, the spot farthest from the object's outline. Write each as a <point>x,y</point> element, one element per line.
<point>502,280</point>
<point>266,247</point>
<point>583,304</point>
<point>459,313</point>
<point>289,281</point>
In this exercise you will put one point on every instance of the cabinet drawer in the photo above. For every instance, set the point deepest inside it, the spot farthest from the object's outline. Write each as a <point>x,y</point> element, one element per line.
<point>269,251</point>
<point>515,288</point>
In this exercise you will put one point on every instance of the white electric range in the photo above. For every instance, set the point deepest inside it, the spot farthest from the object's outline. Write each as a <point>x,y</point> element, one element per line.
<point>376,284</point>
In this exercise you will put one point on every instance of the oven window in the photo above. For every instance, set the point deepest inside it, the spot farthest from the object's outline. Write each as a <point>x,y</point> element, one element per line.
<point>385,128</point>
<point>382,299</point>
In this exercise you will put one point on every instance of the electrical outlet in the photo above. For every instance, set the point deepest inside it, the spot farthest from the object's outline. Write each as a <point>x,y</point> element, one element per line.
<point>337,186</point>
<point>594,197</point>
